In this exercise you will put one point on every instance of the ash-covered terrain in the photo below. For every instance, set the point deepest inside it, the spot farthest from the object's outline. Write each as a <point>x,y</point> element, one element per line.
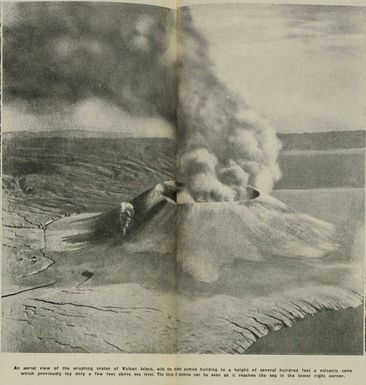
<point>197,278</point>
<point>45,180</point>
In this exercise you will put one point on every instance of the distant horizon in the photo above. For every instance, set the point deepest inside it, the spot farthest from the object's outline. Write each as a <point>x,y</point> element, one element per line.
<point>89,115</point>
<point>127,135</point>
<point>94,133</point>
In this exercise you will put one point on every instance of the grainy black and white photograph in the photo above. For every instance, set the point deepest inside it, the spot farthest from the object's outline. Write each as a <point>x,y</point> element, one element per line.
<point>89,141</point>
<point>183,182</point>
<point>271,151</point>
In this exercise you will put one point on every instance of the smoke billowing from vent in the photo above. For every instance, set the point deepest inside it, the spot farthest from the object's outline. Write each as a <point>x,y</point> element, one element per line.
<point>68,55</point>
<point>224,144</point>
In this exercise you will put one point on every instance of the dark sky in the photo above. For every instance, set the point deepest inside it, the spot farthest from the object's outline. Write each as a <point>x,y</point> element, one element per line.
<point>62,59</point>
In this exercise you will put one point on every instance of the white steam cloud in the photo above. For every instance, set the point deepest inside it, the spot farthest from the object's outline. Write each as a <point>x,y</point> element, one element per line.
<point>225,146</point>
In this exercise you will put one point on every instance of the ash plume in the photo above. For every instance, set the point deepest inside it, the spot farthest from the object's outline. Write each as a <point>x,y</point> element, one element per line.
<point>62,53</point>
<point>224,145</point>
<point>111,58</point>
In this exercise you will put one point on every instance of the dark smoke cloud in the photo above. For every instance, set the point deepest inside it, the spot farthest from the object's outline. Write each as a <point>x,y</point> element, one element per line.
<point>123,55</point>
<point>225,145</point>
<point>68,52</point>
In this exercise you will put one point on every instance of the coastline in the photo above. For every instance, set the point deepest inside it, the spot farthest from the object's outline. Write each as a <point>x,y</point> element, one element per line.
<point>328,332</point>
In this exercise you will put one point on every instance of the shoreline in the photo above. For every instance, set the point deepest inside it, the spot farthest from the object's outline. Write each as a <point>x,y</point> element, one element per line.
<point>330,332</point>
